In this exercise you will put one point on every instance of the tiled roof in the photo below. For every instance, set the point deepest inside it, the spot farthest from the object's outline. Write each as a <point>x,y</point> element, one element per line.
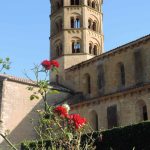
<point>16,79</point>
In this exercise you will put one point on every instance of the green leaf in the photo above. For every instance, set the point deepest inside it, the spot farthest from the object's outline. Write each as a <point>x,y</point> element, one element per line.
<point>69,136</point>
<point>53,92</point>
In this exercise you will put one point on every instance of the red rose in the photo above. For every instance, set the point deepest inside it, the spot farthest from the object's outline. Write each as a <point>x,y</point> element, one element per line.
<point>62,111</point>
<point>54,63</point>
<point>77,120</point>
<point>46,64</point>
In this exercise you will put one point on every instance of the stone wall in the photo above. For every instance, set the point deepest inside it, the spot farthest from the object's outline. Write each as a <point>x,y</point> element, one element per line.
<point>16,111</point>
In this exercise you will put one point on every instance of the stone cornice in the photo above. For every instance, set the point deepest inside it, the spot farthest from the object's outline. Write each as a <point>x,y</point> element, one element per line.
<point>111,52</point>
<point>116,95</point>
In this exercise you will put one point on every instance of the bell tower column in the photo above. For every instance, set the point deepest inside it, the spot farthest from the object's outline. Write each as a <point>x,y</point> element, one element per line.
<point>76,33</point>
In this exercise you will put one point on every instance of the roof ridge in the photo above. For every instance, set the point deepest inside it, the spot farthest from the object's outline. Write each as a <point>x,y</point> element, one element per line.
<point>18,79</point>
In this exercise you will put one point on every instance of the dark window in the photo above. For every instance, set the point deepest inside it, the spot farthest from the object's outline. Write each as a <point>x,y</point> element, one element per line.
<point>89,2</point>
<point>90,48</point>
<point>72,2</point>
<point>93,4</point>
<point>122,74</point>
<point>145,115</point>
<point>95,50</point>
<point>101,78</point>
<point>112,116</point>
<point>72,22</point>
<point>77,2</point>
<point>62,3</point>
<point>94,26</point>
<point>89,24</point>
<point>88,84</point>
<point>57,51</point>
<point>138,67</point>
<point>60,25</point>
<point>73,47</point>
<point>57,5</point>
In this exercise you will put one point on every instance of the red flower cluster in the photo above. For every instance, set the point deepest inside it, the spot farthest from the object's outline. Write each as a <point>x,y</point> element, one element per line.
<point>77,120</point>
<point>48,64</point>
<point>62,111</point>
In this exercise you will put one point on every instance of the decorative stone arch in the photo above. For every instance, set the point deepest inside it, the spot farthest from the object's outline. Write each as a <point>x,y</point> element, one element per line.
<point>87,83</point>
<point>93,4</point>
<point>57,24</point>
<point>95,23</point>
<point>90,47</point>
<point>75,20</point>
<point>90,23</point>
<point>58,48</point>
<point>95,46</point>
<point>93,120</point>
<point>141,111</point>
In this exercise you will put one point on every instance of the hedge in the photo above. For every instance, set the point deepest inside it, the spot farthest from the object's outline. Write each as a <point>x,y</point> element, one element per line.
<point>130,137</point>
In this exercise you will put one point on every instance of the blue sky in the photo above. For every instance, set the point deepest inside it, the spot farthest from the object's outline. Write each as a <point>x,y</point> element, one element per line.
<point>24,29</point>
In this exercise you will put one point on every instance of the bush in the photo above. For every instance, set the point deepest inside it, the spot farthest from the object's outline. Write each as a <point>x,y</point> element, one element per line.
<point>135,136</point>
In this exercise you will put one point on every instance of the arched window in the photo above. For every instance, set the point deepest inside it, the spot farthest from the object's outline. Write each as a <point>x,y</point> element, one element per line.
<point>62,3</point>
<point>58,5</point>
<point>90,48</point>
<point>60,25</point>
<point>73,47</point>
<point>77,2</point>
<point>93,119</point>
<point>87,84</point>
<point>122,74</point>
<point>76,47</point>
<point>141,111</point>
<point>57,27</point>
<point>59,50</point>
<point>72,2</point>
<point>93,4</point>
<point>88,2</point>
<point>138,66</point>
<point>95,50</point>
<point>89,24</point>
<point>94,26</point>
<point>77,23</point>
<point>101,78</point>
<point>72,22</point>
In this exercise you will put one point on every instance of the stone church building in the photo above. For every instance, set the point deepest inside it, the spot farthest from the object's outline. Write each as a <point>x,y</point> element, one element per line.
<point>109,88</point>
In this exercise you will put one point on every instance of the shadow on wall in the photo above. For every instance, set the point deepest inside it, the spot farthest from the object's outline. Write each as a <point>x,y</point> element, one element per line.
<point>24,130</point>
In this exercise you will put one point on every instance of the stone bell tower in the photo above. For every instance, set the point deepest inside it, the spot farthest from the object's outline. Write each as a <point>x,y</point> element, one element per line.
<point>76,33</point>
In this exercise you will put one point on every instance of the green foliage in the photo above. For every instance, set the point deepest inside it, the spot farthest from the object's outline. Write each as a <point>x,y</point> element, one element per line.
<point>4,64</point>
<point>132,137</point>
